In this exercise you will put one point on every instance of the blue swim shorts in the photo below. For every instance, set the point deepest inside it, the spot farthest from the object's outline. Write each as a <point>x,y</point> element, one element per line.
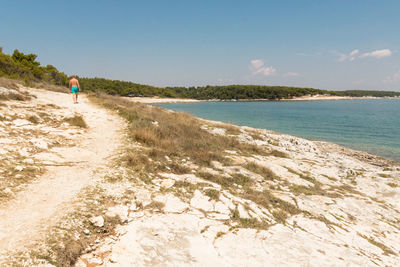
<point>74,89</point>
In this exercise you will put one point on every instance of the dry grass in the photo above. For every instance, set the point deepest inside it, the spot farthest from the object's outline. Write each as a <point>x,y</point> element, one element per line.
<point>51,87</point>
<point>278,154</point>
<point>248,222</point>
<point>378,244</point>
<point>76,120</point>
<point>14,96</point>
<point>62,248</point>
<point>8,83</point>
<point>212,193</point>
<point>176,135</point>
<point>267,200</point>
<point>12,178</point>
<point>261,170</point>
<point>155,205</point>
<point>32,118</point>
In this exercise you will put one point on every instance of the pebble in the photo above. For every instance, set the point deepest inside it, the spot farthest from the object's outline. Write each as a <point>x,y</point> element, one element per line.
<point>28,161</point>
<point>113,259</point>
<point>19,168</point>
<point>97,221</point>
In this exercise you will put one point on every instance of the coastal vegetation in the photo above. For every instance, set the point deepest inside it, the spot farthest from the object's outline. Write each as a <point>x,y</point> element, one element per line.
<point>25,67</point>
<point>20,66</point>
<point>226,92</point>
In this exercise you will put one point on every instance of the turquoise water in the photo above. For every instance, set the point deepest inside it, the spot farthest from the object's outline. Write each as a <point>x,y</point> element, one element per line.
<point>372,125</point>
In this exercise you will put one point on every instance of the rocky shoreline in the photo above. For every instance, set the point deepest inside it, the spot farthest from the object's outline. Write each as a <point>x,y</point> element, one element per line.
<point>264,198</point>
<point>346,202</point>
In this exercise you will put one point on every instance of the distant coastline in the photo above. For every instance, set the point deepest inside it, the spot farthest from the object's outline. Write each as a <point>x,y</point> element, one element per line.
<point>158,100</point>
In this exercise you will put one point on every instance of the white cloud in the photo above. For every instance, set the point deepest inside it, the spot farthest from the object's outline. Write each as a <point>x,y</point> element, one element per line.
<point>378,54</point>
<point>257,67</point>
<point>266,71</point>
<point>257,63</point>
<point>393,78</point>
<point>350,57</point>
<point>353,54</point>
<point>291,74</point>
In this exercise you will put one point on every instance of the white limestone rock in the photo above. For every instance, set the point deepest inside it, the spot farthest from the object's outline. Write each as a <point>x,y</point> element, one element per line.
<point>120,211</point>
<point>39,143</point>
<point>175,205</point>
<point>20,122</point>
<point>167,183</point>
<point>97,221</point>
<point>200,201</point>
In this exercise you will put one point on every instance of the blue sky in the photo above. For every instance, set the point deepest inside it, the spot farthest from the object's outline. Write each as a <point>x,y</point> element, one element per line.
<point>352,44</point>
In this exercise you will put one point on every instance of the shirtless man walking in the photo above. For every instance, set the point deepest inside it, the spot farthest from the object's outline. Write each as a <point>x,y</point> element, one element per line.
<point>75,88</point>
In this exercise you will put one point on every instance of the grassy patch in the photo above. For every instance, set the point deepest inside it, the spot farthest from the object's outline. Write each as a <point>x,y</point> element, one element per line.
<point>14,96</point>
<point>303,176</point>
<point>14,173</point>
<point>378,244</point>
<point>330,177</point>
<point>76,120</point>
<point>280,216</point>
<point>8,83</point>
<point>66,242</point>
<point>268,201</point>
<point>251,223</point>
<point>212,193</point>
<point>32,118</point>
<point>219,234</point>
<point>261,170</point>
<point>155,205</point>
<point>175,134</point>
<point>279,154</point>
<point>225,182</point>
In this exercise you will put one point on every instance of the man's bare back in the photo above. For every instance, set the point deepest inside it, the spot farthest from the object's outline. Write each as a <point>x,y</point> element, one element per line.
<point>73,82</point>
<point>75,88</point>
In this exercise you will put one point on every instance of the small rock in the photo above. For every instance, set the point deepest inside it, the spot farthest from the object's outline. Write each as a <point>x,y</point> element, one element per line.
<point>19,122</point>
<point>95,261</point>
<point>97,221</point>
<point>136,215</point>
<point>167,183</point>
<point>113,258</point>
<point>174,204</point>
<point>39,143</point>
<point>133,207</point>
<point>86,231</point>
<point>7,191</point>
<point>242,212</point>
<point>24,152</point>
<point>28,161</point>
<point>19,168</point>
<point>200,201</point>
<point>120,211</point>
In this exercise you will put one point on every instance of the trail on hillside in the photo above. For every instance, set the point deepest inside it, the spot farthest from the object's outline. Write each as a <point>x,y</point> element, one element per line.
<point>24,219</point>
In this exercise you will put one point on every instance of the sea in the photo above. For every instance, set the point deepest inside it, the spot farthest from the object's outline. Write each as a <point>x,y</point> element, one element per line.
<point>371,125</point>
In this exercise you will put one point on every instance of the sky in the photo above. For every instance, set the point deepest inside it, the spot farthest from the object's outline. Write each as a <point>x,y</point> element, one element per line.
<point>328,44</point>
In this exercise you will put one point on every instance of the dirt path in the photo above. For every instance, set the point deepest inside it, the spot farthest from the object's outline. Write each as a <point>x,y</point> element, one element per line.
<point>24,219</point>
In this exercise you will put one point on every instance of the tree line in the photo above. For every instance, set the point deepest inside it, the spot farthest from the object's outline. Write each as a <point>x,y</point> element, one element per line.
<point>20,66</point>
<point>25,67</point>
